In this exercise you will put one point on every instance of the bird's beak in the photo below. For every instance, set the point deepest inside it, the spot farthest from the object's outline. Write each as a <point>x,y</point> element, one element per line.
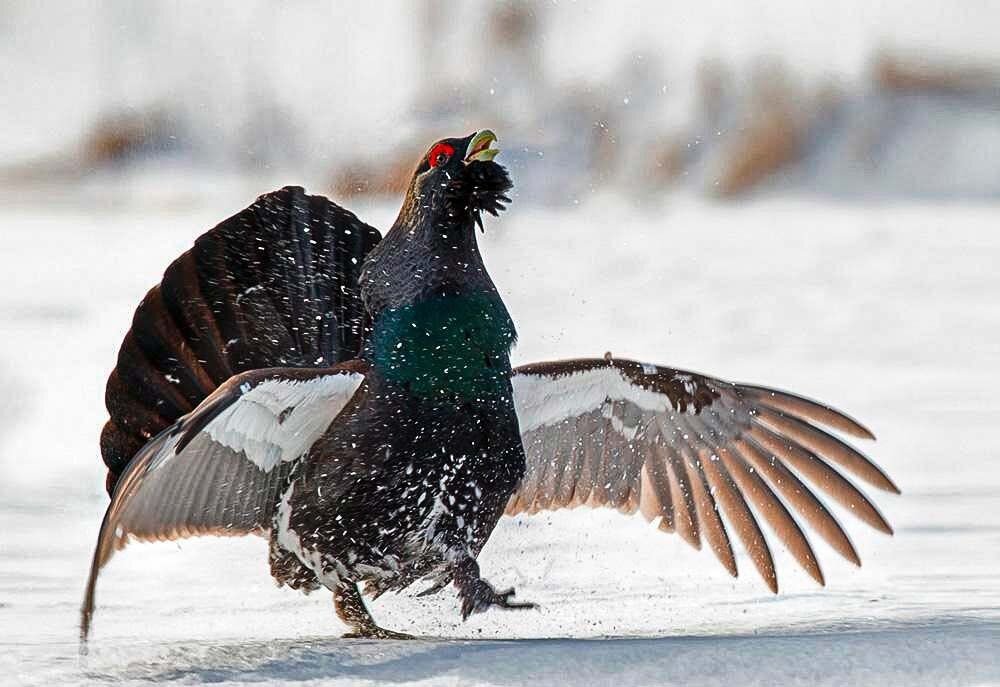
<point>479,149</point>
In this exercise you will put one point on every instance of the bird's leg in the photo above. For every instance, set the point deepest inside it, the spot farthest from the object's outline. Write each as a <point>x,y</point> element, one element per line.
<point>352,610</point>
<point>477,594</point>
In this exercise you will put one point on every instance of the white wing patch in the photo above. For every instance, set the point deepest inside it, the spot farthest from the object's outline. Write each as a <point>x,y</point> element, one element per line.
<point>279,419</point>
<point>545,400</point>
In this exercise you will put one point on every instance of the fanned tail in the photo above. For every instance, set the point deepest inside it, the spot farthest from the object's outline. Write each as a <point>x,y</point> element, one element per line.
<point>274,285</point>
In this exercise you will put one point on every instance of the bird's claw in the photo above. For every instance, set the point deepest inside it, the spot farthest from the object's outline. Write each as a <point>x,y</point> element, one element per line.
<point>375,632</point>
<point>480,595</point>
<point>433,589</point>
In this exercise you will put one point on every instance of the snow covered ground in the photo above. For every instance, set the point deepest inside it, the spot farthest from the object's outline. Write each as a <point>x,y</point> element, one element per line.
<point>889,311</point>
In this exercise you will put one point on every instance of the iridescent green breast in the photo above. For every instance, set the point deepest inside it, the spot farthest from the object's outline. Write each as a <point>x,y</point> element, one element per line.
<point>446,346</point>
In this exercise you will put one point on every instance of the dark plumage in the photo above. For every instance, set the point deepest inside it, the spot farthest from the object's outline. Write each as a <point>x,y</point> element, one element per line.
<point>352,399</point>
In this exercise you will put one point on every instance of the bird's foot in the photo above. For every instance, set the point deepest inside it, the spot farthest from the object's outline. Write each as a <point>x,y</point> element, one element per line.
<point>352,610</point>
<point>375,632</point>
<point>479,595</point>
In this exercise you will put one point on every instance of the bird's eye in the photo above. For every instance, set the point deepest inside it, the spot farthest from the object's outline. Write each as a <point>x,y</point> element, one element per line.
<point>440,154</point>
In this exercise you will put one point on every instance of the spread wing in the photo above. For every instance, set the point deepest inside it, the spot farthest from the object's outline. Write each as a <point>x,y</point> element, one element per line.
<point>705,456</point>
<point>220,469</point>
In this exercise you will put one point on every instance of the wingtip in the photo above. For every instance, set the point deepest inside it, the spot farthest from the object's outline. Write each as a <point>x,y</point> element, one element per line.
<point>860,431</point>
<point>82,649</point>
<point>880,524</point>
<point>852,427</point>
<point>880,480</point>
<point>815,572</point>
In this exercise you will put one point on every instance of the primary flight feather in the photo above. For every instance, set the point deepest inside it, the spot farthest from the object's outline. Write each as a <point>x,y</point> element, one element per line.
<point>351,398</point>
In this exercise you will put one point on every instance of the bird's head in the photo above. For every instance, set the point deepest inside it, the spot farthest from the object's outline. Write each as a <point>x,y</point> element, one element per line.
<point>431,248</point>
<point>456,181</point>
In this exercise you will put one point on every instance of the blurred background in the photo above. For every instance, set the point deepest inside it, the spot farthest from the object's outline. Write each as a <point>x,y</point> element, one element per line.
<point>889,100</point>
<point>798,193</point>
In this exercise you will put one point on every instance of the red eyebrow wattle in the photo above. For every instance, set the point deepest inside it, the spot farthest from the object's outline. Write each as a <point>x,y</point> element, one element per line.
<point>437,150</point>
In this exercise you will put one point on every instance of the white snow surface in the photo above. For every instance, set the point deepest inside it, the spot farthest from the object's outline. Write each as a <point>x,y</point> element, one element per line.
<point>889,312</point>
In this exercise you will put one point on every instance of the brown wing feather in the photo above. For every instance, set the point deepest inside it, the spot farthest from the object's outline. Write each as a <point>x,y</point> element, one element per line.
<point>712,527</point>
<point>706,457</point>
<point>800,497</point>
<point>774,511</point>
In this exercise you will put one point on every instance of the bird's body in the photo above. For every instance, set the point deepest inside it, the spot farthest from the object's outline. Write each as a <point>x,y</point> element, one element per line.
<point>420,469</point>
<point>413,478</point>
<point>431,479</point>
<point>351,397</point>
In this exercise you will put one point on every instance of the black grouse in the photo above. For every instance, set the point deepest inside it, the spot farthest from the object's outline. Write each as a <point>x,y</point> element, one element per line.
<point>351,398</point>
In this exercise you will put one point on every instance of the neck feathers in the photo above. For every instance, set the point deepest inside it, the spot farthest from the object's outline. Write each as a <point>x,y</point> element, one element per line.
<point>439,327</point>
<point>423,258</point>
<point>451,346</point>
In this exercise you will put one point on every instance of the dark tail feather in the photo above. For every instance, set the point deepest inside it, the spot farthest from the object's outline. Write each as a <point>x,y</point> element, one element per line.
<point>274,285</point>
